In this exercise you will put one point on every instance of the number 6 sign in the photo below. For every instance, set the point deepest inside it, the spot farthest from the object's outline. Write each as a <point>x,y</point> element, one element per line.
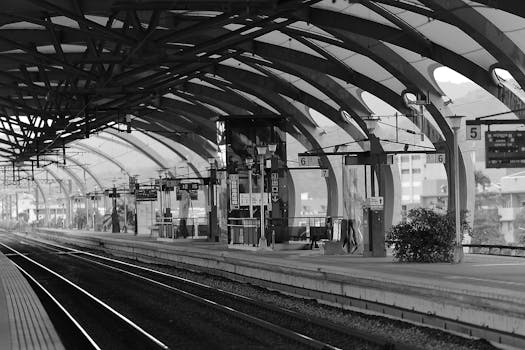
<point>473,132</point>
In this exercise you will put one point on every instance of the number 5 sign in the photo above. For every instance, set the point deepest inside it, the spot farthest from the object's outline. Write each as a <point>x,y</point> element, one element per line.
<point>473,132</point>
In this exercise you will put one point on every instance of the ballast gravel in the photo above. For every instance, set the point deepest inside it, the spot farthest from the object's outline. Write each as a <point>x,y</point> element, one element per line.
<point>398,331</point>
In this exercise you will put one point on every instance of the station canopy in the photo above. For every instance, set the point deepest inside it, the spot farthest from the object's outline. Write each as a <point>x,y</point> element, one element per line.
<point>76,75</point>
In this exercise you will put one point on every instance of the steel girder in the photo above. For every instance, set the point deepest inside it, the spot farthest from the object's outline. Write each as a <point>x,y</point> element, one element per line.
<point>72,175</point>
<point>101,154</point>
<point>176,148</point>
<point>140,147</point>
<point>487,34</point>
<point>92,69</point>
<point>87,170</point>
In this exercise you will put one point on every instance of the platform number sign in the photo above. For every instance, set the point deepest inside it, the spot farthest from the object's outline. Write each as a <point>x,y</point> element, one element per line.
<point>308,161</point>
<point>234,191</point>
<point>473,132</point>
<point>436,158</point>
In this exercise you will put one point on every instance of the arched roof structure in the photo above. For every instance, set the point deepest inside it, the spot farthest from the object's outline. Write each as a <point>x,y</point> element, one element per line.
<point>70,68</point>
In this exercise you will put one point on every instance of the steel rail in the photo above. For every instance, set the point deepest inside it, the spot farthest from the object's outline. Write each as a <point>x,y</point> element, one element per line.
<point>60,306</point>
<point>301,338</point>
<point>372,338</point>
<point>467,330</point>
<point>295,336</point>
<point>92,297</point>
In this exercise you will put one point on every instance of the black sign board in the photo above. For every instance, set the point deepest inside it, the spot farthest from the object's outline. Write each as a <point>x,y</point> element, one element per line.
<point>194,194</point>
<point>505,149</point>
<point>367,159</point>
<point>188,186</point>
<point>145,195</point>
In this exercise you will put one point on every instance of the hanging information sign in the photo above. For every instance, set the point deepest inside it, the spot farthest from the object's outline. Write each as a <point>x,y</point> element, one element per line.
<point>234,191</point>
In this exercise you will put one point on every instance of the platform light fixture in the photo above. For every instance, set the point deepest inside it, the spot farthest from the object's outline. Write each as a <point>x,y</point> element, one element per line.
<point>261,150</point>
<point>128,123</point>
<point>371,123</point>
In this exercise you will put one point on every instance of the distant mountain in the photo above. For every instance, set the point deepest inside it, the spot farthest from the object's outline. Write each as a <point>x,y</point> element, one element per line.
<point>456,91</point>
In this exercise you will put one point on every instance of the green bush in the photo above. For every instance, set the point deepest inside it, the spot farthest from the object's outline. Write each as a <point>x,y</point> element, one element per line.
<point>427,236</point>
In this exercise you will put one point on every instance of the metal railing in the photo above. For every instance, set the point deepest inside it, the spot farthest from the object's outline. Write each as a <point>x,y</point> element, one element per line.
<point>247,230</point>
<point>304,228</point>
<point>487,249</point>
<point>171,228</point>
<point>496,249</point>
<point>244,231</point>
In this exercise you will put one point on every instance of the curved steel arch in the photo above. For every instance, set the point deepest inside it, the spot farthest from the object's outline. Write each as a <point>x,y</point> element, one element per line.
<point>197,143</point>
<point>331,21</point>
<point>338,95</point>
<point>103,155</point>
<point>71,174</point>
<point>66,193</point>
<point>86,169</point>
<point>172,145</point>
<point>484,32</point>
<point>138,146</point>
<point>40,189</point>
<point>302,123</point>
<point>436,110</point>
<point>224,98</point>
<point>130,75</point>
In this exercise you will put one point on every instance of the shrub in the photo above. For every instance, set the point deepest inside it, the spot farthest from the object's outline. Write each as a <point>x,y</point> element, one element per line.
<point>427,236</point>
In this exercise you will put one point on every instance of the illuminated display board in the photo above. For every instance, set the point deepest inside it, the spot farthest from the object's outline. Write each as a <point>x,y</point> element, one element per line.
<point>505,149</point>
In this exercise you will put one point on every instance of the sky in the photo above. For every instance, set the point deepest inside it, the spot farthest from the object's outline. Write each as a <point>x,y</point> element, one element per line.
<point>445,74</point>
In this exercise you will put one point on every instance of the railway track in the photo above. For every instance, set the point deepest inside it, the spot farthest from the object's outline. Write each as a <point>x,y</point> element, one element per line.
<point>297,329</point>
<point>65,294</point>
<point>322,330</point>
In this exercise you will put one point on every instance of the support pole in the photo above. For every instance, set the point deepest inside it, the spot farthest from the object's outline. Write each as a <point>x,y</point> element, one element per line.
<point>125,214</point>
<point>94,210</point>
<point>458,249</point>
<point>136,226</point>
<point>37,203</point>
<point>87,211</point>
<point>16,206</point>
<point>262,240</point>
<point>250,191</point>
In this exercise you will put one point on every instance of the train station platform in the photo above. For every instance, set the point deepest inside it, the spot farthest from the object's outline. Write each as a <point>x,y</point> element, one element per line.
<point>482,297</point>
<point>24,323</point>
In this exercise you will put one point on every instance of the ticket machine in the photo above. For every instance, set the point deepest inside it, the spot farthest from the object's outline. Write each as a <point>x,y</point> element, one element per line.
<point>374,227</point>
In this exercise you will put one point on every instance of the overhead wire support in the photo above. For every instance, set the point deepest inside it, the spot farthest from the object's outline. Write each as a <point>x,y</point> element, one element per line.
<point>498,114</point>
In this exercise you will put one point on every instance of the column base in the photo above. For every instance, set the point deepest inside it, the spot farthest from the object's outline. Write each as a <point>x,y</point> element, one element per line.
<point>375,253</point>
<point>263,244</point>
<point>458,255</point>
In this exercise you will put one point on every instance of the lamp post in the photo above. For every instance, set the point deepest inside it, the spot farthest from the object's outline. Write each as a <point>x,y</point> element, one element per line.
<point>374,244</point>
<point>371,124</point>
<point>135,212</point>
<point>455,122</point>
<point>95,206</point>
<point>249,164</point>
<point>212,212</point>
<point>261,150</point>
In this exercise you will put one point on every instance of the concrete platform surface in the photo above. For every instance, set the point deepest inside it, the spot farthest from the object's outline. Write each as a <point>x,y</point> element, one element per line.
<point>24,323</point>
<point>500,276</point>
